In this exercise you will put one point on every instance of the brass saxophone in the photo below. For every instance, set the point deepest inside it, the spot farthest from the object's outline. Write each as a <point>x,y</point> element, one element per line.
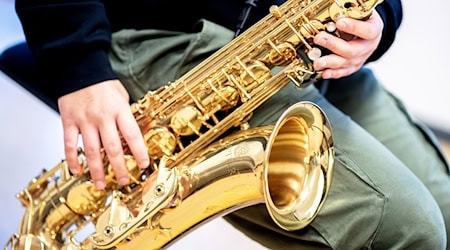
<point>198,173</point>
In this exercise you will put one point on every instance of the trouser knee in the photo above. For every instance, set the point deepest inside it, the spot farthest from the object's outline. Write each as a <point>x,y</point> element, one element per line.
<point>412,222</point>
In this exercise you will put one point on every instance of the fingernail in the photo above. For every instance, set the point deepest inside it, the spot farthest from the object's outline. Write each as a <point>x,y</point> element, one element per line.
<point>319,64</point>
<point>321,40</point>
<point>326,75</point>
<point>124,181</point>
<point>342,24</point>
<point>144,164</point>
<point>100,185</point>
<point>322,63</point>
<point>75,171</point>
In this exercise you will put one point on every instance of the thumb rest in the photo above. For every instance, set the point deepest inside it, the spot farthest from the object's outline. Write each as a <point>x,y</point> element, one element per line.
<point>196,175</point>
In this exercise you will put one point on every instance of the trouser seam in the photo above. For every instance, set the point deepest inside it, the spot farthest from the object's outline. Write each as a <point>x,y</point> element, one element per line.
<point>372,184</point>
<point>422,130</point>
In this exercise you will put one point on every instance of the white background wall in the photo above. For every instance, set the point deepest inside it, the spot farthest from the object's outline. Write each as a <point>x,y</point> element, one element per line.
<point>416,67</point>
<point>31,135</point>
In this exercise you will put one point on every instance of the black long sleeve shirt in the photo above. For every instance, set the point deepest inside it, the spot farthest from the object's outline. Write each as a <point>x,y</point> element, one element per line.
<point>71,38</point>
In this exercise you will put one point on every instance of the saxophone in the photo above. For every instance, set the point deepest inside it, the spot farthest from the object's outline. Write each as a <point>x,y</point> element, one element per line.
<point>200,171</point>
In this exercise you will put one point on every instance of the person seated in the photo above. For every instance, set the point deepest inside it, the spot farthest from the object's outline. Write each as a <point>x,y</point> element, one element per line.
<point>88,60</point>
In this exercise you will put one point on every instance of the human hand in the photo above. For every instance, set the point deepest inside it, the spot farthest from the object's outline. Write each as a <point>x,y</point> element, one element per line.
<point>347,57</point>
<point>99,112</point>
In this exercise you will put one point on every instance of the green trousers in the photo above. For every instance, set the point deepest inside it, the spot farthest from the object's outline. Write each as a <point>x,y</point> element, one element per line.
<point>391,184</point>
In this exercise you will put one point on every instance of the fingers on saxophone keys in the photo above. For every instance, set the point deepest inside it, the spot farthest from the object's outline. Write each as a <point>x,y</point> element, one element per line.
<point>113,148</point>
<point>97,171</point>
<point>92,151</point>
<point>133,136</point>
<point>71,150</point>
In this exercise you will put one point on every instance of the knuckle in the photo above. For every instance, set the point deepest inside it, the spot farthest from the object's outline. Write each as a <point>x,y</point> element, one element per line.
<point>70,146</point>
<point>96,114</point>
<point>91,152</point>
<point>357,62</point>
<point>113,149</point>
<point>351,53</point>
<point>372,33</point>
<point>132,135</point>
<point>70,141</point>
<point>350,27</point>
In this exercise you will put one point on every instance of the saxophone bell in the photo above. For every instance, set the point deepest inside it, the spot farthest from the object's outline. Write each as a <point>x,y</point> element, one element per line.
<point>299,164</point>
<point>287,166</point>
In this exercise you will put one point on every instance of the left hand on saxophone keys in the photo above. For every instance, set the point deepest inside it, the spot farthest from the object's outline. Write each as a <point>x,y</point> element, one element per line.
<point>347,57</point>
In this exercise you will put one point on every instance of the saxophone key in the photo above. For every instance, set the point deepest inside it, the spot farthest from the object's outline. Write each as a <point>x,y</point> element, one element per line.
<point>160,141</point>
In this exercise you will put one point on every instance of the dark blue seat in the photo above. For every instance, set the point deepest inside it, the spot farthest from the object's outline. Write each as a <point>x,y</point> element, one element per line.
<point>18,63</point>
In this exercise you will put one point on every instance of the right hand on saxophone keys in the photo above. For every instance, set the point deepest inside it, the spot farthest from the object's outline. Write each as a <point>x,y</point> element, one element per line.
<point>99,119</point>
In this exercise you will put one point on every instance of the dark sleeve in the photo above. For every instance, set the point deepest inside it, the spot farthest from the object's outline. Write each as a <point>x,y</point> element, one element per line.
<point>392,14</point>
<point>70,40</point>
